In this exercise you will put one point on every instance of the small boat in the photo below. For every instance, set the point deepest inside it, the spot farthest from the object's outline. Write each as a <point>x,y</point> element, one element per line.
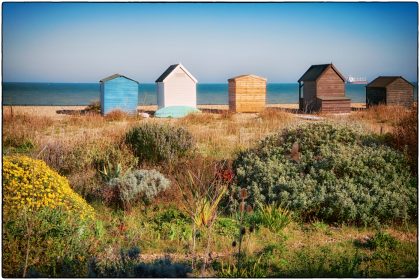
<point>356,80</point>
<point>175,111</point>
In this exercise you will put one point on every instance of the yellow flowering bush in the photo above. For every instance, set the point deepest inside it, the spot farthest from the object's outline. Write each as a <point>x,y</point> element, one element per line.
<point>30,184</point>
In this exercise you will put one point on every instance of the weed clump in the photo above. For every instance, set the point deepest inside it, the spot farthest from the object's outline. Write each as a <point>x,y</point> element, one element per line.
<point>160,143</point>
<point>331,173</point>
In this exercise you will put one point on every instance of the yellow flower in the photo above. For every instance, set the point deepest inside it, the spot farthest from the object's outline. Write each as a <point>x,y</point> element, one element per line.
<point>31,184</point>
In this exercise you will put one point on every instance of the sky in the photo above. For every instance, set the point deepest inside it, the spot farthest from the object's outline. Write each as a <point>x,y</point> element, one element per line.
<point>85,42</point>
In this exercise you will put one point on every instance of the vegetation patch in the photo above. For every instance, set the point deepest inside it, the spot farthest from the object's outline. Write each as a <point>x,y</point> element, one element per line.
<point>160,143</point>
<point>331,173</point>
<point>45,223</point>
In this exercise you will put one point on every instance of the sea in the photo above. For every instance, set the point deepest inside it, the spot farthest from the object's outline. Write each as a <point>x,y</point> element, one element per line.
<point>65,94</point>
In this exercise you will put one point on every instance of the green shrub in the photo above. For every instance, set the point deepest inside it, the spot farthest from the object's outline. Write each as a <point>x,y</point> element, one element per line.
<point>157,143</point>
<point>173,225</point>
<point>340,175</point>
<point>382,240</point>
<point>54,241</point>
<point>137,185</point>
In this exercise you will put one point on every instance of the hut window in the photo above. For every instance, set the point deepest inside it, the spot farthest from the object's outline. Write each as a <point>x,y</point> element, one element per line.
<point>179,75</point>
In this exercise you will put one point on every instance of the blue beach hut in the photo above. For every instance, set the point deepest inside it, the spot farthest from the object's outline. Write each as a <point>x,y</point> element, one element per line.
<point>119,93</point>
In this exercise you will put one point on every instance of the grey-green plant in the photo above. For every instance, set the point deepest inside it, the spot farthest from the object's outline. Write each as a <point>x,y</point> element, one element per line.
<point>341,175</point>
<point>157,143</point>
<point>139,185</point>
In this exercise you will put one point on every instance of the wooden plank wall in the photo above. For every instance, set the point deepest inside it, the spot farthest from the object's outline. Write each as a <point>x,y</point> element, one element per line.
<point>119,94</point>
<point>335,106</point>
<point>247,94</point>
<point>330,84</point>
<point>400,93</point>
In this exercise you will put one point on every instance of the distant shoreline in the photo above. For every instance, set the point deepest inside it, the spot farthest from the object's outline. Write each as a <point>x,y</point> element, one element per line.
<point>68,110</point>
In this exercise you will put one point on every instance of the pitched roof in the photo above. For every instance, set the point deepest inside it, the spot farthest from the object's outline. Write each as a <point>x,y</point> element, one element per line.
<point>115,76</point>
<point>315,71</point>
<point>384,81</point>
<point>247,75</point>
<point>169,71</point>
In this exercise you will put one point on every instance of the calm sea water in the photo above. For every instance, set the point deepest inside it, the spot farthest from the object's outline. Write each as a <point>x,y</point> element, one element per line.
<point>85,93</point>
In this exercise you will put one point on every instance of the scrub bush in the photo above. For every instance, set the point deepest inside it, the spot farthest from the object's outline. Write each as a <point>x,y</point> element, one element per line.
<point>29,184</point>
<point>138,185</point>
<point>160,143</point>
<point>337,175</point>
<point>45,223</point>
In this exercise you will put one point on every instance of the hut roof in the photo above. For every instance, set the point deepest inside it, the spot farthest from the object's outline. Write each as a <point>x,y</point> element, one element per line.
<point>171,69</point>
<point>247,75</point>
<point>384,81</point>
<point>315,71</point>
<point>115,76</point>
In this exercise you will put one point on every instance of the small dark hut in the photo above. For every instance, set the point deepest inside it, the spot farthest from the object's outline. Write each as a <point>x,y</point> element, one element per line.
<point>323,90</point>
<point>390,90</point>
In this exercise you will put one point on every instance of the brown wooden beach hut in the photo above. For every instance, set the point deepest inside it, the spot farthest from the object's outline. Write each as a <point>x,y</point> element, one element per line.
<point>390,90</point>
<point>323,88</point>
<point>247,93</point>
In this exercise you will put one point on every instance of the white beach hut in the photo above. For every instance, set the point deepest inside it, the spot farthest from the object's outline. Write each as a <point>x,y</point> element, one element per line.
<point>176,87</point>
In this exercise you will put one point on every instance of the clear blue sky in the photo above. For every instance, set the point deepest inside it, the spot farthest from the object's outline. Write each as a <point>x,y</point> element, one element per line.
<point>84,42</point>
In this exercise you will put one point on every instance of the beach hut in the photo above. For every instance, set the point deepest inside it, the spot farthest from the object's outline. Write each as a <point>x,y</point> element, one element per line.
<point>323,88</point>
<point>390,90</point>
<point>176,87</point>
<point>119,93</point>
<point>247,93</point>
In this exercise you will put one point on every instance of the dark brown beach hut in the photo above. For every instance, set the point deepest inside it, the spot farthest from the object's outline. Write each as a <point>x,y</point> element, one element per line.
<point>390,90</point>
<point>323,88</point>
<point>247,93</point>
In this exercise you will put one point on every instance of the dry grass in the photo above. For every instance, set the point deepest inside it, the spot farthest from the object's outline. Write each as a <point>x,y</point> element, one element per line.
<point>116,115</point>
<point>405,138</point>
<point>222,135</point>
<point>381,114</point>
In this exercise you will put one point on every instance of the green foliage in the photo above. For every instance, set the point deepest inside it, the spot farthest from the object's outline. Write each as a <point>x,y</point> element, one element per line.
<point>226,226</point>
<point>160,143</point>
<point>138,185</point>
<point>127,265</point>
<point>341,175</point>
<point>53,240</point>
<point>272,217</point>
<point>173,225</point>
<point>382,240</point>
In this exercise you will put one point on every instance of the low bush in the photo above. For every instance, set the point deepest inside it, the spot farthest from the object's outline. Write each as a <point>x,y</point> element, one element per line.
<point>135,186</point>
<point>45,223</point>
<point>331,173</point>
<point>382,240</point>
<point>160,143</point>
<point>173,225</point>
<point>45,243</point>
<point>30,184</point>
